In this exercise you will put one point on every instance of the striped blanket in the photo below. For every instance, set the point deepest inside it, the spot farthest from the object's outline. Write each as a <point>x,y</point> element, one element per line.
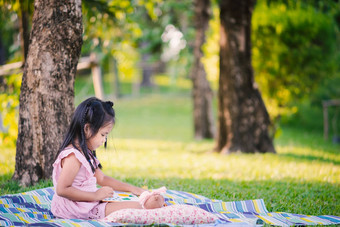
<point>33,209</point>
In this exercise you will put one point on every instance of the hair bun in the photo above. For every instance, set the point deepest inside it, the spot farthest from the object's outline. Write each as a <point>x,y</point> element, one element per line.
<point>110,103</point>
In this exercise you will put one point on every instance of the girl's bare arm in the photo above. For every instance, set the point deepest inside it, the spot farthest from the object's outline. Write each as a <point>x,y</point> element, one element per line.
<point>116,185</point>
<point>64,188</point>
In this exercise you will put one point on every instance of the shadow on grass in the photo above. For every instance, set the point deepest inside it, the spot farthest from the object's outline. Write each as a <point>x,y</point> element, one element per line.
<point>9,186</point>
<point>310,158</point>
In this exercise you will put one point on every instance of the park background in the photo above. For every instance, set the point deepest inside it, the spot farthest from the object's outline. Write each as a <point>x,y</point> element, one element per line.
<point>295,57</point>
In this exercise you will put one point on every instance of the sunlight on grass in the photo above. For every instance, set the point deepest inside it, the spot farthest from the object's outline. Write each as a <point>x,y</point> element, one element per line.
<point>165,159</point>
<point>7,162</point>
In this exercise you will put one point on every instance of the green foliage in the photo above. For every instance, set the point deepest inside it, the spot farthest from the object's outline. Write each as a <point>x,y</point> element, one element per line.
<point>107,23</point>
<point>310,117</point>
<point>125,30</point>
<point>9,109</point>
<point>167,13</point>
<point>110,32</point>
<point>7,28</point>
<point>327,89</point>
<point>114,29</point>
<point>294,52</point>
<point>10,15</point>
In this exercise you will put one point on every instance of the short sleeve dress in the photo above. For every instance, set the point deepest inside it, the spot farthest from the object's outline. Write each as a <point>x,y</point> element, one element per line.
<point>85,180</point>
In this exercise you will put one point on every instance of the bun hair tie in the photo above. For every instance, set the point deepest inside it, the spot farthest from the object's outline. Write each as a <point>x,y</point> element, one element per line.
<point>147,194</point>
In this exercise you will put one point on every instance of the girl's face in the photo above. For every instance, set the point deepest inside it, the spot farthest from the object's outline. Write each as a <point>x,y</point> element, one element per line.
<point>99,139</point>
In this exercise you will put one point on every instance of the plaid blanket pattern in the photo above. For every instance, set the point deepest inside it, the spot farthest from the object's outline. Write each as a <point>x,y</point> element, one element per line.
<point>33,209</point>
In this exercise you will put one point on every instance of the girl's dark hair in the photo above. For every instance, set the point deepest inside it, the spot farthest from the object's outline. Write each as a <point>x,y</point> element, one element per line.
<point>97,114</point>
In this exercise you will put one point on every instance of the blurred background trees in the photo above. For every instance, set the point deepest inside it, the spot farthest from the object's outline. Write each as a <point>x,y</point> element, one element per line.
<point>296,54</point>
<point>142,45</point>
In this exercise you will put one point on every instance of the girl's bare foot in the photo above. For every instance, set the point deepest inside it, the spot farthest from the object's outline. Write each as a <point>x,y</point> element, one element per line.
<point>155,201</point>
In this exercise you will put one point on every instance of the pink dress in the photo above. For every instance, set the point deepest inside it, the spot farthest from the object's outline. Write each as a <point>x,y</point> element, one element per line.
<point>85,180</point>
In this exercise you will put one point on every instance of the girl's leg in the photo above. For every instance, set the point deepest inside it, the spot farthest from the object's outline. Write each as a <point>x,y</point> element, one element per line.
<point>114,206</point>
<point>155,201</point>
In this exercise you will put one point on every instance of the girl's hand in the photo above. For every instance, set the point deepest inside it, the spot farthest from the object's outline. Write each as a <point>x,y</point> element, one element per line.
<point>137,191</point>
<point>104,192</point>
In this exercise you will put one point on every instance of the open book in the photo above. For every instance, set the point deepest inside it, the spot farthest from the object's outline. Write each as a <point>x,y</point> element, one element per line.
<point>121,196</point>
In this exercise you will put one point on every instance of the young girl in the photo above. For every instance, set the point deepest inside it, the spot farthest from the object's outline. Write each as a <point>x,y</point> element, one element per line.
<point>76,171</point>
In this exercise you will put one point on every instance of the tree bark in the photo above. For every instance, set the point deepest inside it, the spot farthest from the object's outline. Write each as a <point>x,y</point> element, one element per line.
<point>242,115</point>
<point>202,94</point>
<point>47,89</point>
<point>24,31</point>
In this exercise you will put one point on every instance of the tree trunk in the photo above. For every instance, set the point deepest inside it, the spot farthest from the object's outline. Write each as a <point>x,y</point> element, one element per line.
<point>2,53</point>
<point>47,89</point>
<point>243,118</point>
<point>116,84</point>
<point>147,72</point>
<point>202,93</point>
<point>24,31</point>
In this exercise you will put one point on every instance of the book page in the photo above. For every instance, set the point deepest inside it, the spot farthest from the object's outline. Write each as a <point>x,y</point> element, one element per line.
<point>121,196</point>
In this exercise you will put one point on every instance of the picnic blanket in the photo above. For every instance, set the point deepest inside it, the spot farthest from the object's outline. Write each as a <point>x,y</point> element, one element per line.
<point>33,209</point>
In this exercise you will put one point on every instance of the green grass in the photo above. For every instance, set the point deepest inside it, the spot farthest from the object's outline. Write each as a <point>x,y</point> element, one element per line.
<point>151,145</point>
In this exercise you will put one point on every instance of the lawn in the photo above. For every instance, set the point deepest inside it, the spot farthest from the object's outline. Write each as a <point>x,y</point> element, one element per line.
<point>151,146</point>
